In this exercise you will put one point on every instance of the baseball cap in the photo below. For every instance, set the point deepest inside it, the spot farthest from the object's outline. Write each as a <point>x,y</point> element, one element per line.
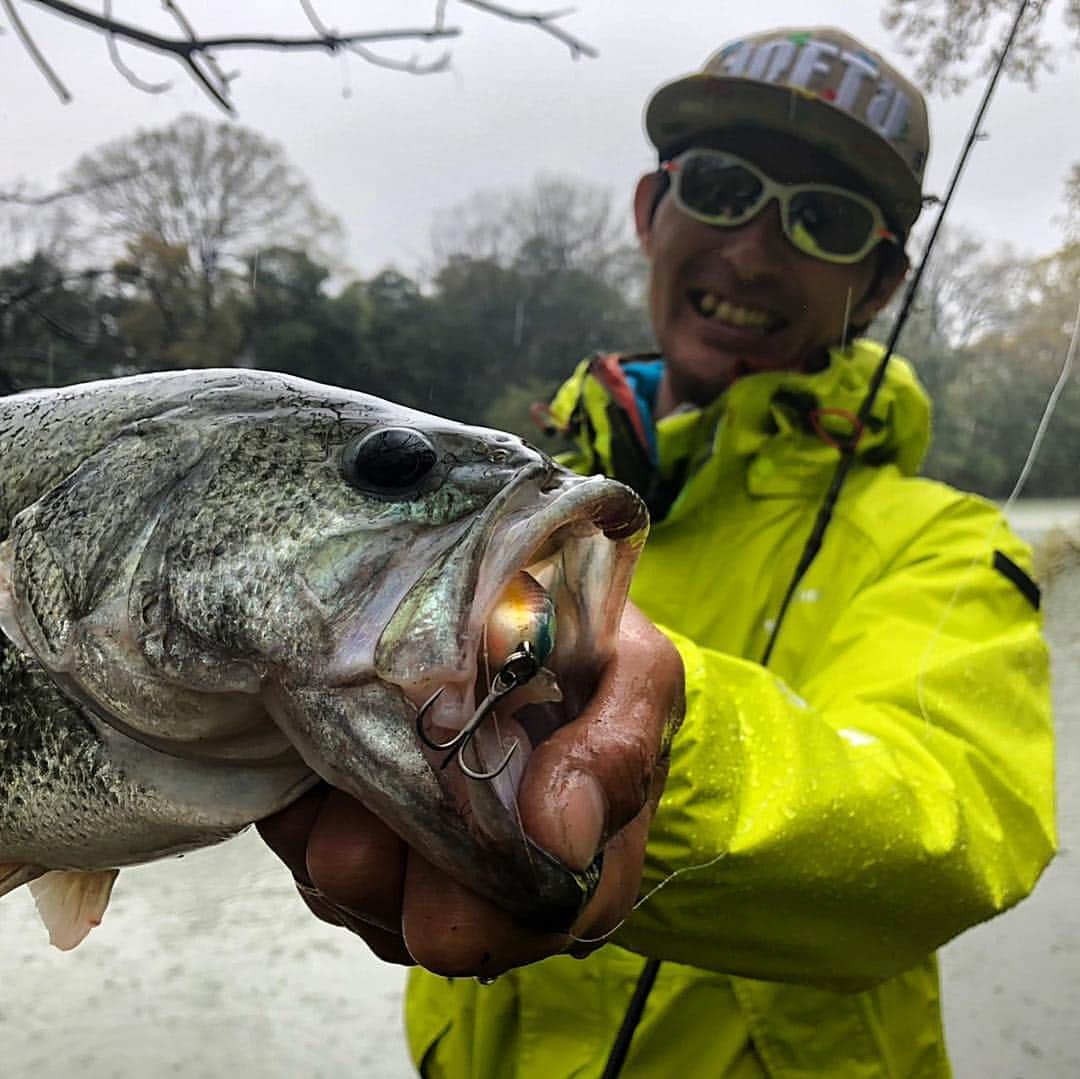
<point>819,85</point>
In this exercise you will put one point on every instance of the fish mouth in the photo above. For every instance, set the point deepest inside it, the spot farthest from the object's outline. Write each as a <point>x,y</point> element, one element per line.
<point>550,570</point>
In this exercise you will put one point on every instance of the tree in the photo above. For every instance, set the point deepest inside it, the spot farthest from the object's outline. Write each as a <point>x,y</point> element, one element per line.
<point>56,325</point>
<point>990,393</point>
<point>557,223</point>
<point>965,293</point>
<point>33,223</point>
<point>402,355</point>
<point>164,319</point>
<point>529,281</point>
<point>1042,339</point>
<point>991,385</point>
<point>292,325</point>
<point>217,190</point>
<point>1072,203</point>
<point>199,54</point>
<point>948,35</point>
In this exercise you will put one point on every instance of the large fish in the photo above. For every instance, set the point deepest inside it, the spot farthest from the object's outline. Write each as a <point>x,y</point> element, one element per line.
<point>218,586</point>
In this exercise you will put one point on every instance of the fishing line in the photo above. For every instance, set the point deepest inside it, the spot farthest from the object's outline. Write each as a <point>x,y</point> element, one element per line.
<point>1033,451</point>
<point>647,896</point>
<point>847,450</point>
<point>1048,412</point>
<point>621,1045</point>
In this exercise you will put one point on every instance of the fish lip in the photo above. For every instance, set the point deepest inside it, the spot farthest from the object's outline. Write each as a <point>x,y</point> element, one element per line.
<point>581,511</point>
<point>512,536</point>
<point>610,508</point>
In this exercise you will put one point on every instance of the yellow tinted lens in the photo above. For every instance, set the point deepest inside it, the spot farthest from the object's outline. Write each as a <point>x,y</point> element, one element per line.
<point>828,223</point>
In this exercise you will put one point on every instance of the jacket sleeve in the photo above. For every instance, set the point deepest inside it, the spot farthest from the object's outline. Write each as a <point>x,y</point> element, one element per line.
<point>837,832</point>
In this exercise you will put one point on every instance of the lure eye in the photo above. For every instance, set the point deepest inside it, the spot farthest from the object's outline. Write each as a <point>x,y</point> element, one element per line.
<point>390,460</point>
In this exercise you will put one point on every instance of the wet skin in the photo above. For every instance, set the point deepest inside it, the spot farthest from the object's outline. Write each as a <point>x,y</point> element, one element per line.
<point>755,267</point>
<point>595,781</point>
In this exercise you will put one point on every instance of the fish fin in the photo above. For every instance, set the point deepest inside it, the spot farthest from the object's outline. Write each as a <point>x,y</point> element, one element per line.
<point>14,874</point>
<point>71,902</point>
<point>8,624</point>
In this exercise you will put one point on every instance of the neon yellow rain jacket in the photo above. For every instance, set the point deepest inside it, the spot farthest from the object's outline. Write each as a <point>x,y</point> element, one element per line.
<point>831,820</point>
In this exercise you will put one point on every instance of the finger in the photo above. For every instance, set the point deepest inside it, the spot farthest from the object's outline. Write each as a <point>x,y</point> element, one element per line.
<point>325,817</point>
<point>324,910</point>
<point>620,882</point>
<point>356,862</point>
<point>389,947</point>
<point>594,775</point>
<point>286,832</point>
<point>452,931</point>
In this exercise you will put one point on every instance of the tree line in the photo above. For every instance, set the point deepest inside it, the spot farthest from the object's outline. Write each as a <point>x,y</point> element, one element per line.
<point>200,245</point>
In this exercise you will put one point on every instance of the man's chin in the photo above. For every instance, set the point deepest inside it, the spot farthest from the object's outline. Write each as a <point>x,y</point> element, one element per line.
<point>700,374</point>
<point>698,380</point>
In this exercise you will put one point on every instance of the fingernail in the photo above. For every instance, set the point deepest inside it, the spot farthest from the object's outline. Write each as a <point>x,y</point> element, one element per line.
<point>584,811</point>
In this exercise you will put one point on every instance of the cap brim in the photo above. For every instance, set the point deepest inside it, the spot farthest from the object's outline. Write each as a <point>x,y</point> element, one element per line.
<point>688,108</point>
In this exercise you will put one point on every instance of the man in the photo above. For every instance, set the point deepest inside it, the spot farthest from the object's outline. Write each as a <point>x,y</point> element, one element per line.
<point>864,768</point>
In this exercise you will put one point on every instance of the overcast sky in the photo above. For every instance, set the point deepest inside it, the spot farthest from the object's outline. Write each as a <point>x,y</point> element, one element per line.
<point>384,150</point>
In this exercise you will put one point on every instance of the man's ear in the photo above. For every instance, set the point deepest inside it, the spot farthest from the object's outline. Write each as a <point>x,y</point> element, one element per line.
<point>888,277</point>
<point>644,200</point>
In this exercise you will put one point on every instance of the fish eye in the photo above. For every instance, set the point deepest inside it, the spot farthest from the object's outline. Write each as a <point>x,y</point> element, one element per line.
<point>389,460</point>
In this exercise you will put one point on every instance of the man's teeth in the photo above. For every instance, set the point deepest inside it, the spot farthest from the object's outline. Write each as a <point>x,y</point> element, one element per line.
<point>752,318</point>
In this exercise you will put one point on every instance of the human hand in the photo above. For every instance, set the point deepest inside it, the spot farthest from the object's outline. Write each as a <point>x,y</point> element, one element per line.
<point>593,783</point>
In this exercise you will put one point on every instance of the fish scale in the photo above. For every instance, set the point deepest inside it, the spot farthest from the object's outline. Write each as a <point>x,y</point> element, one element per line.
<point>55,776</point>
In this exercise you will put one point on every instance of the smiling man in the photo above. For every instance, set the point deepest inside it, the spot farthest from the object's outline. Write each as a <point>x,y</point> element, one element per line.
<point>772,294</point>
<point>865,765</point>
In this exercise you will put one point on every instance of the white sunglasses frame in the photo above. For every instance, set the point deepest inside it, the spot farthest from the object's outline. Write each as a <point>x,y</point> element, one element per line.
<point>783,194</point>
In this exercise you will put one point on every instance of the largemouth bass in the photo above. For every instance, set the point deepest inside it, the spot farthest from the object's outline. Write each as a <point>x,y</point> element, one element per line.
<point>217,587</point>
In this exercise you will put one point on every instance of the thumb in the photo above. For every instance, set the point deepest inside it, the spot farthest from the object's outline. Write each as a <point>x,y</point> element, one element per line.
<point>594,775</point>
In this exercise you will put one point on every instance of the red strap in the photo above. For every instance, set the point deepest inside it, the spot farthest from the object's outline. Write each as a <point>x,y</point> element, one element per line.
<point>852,440</point>
<point>611,374</point>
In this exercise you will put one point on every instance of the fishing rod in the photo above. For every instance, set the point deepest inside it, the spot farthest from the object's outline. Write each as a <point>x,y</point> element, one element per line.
<point>621,1045</point>
<point>847,448</point>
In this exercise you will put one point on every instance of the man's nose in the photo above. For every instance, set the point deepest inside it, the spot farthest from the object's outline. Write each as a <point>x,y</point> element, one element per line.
<point>757,248</point>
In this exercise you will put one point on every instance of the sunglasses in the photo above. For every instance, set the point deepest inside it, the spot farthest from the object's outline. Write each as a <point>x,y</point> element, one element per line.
<point>826,222</point>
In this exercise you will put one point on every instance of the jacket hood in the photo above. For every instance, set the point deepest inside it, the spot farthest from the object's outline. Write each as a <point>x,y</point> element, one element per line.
<point>799,421</point>
<point>785,428</point>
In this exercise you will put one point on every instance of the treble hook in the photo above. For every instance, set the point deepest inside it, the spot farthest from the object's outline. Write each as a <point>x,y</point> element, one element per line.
<point>518,668</point>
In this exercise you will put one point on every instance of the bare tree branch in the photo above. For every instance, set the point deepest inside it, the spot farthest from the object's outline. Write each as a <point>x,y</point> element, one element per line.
<point>316,23</point>
<point>16,197</point>
<point>118,63</point>
<point>184,47</point>
<point>412,66</point>
<point>214,81</point>
<point>35,54</point>
<point>545,21</point>
<point>197,54</point>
